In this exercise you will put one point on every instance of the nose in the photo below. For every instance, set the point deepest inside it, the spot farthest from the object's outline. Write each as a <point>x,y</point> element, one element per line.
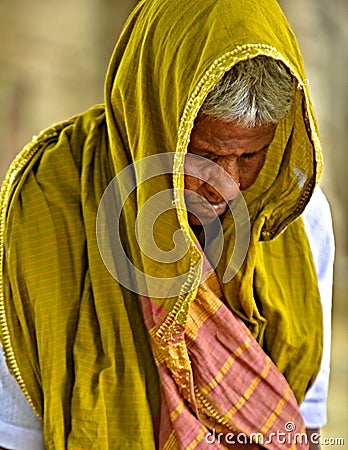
<point>223,182</point>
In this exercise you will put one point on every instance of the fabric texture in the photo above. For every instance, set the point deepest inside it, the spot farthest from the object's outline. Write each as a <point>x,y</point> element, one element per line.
<point>17,420</point>
<point>91,373</point>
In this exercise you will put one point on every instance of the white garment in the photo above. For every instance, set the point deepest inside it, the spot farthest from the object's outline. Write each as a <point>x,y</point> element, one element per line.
<point>20,429</point>
<point>318,225</point>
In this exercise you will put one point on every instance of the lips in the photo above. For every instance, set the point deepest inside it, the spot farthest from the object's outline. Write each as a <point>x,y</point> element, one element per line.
<point>219,208</point>
<point>206,208</point>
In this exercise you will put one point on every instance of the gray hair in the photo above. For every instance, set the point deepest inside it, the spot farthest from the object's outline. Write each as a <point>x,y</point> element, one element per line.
<point>256,91</point>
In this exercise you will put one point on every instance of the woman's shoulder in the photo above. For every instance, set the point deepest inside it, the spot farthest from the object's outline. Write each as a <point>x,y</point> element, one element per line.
<point>53,159</point>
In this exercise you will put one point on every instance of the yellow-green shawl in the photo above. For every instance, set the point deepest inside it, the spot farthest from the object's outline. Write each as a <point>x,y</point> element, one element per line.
<point>73,337</point>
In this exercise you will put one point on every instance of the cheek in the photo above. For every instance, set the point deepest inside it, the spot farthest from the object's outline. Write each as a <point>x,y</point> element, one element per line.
<point>249,171</point>
<point>192,183</point>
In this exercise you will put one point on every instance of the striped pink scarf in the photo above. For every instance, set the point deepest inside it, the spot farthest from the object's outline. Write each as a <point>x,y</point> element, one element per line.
<point>219,388</point>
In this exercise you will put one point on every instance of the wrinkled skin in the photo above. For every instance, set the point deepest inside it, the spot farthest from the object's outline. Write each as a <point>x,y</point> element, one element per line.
<point>239,150</point>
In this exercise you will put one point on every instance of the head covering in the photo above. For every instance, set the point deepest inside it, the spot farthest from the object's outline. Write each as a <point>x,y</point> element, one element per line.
<point>171,54</point>
<point>90,371</point>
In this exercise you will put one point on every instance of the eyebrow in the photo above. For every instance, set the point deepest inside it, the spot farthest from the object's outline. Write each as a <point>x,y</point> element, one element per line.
<point>210,152</point>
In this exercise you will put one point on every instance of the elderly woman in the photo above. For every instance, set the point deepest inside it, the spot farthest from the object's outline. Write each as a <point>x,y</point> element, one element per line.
<point>211,337</point>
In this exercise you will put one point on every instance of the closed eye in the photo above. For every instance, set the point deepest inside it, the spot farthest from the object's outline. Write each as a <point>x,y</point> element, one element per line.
<point>248,155</point>
<point>253,155</point>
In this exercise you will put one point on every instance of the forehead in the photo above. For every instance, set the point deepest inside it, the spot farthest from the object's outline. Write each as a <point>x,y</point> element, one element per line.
<point>217,136</point>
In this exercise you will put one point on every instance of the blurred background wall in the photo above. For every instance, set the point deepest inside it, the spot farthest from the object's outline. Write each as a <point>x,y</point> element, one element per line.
<point>53,59</point>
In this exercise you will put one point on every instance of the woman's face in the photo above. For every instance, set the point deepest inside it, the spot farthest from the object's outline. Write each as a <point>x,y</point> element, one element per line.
<point>240,151</point>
